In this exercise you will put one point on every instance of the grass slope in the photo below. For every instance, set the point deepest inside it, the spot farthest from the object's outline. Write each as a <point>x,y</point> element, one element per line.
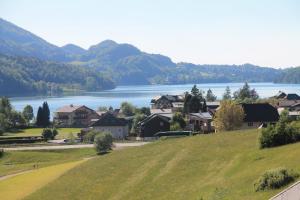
<point>22,185</point>
<point>216,166</point>
<point>16,161</point>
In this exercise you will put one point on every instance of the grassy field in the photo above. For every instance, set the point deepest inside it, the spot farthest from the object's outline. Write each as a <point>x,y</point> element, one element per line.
<point>63,132</point>
<point>16,161</point>
<point>216,166</point>
<point>22,185</point>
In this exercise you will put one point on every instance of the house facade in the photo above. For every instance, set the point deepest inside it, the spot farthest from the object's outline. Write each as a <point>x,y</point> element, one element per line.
<point>153,124</point>
<point>259,114</point>
<point>200,122</point>
<point>74,116</point>
<point>108,122</point>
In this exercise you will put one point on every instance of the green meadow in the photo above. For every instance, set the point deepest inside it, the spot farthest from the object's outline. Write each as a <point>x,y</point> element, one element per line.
<point>63,132</point>
<point>213,166</point>
<point>17,161</point>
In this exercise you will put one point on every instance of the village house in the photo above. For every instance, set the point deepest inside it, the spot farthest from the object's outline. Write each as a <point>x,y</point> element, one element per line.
<point>200,122</point>
<point>153,124</point>
<point>167,101</point>
<point>118,127</point>
<point>287,100</point>
<point>74,116</point>
<point>258,115</point>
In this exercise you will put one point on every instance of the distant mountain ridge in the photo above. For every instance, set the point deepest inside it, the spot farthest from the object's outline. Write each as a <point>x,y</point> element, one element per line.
<point>127,65</point>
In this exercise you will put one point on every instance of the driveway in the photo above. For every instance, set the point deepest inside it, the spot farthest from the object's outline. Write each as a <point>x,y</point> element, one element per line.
<point>75,146</point>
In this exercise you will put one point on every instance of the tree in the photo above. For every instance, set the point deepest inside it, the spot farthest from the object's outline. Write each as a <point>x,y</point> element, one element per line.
<point>103,142</point>
<point>204,106</point>
<point>210,96</point>
<point>245,94</point>
<point>16,118</point>
<point>137,118</point>
<point>28,113</point>
<point>39,117</point>
<point>178,118</point>
<point>227,94</point>
<point>127,109</point>
<point>195,91</point>
<point>145,111</point>
<point>46,114</point>
<point>229,116</point>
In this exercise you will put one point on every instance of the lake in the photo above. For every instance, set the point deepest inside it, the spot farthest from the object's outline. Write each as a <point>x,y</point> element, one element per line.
<point>141,95</point>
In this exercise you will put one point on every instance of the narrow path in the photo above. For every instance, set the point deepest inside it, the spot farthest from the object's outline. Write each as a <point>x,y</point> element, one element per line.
<point>12,175</point>
<point>75,146</point>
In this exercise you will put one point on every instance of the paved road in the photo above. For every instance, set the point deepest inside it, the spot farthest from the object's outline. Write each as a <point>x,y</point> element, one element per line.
<point>75,146</point>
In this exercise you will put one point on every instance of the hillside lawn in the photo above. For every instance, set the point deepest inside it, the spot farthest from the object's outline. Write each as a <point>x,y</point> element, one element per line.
<point>19,186</point>
<point>62,132</point>
<point>213,166</point>
<point>17,161</point>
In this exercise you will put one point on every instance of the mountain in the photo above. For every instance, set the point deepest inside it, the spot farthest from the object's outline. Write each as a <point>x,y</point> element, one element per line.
<point>125,64</point>
<point>73,50</point>
<point>31,76</point>
<point>17,41</point>
<point>289,75</point>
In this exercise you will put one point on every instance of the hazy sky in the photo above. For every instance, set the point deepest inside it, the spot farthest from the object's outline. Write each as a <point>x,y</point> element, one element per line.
<point>262,32</point>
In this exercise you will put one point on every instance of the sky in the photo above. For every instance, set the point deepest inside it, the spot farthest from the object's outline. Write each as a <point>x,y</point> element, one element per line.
<point>261,32</point>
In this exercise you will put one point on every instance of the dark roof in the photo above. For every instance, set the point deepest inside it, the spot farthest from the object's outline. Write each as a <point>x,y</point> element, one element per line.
<point>292,97</point>
<point>150,117</point>
<point>171,98</point>
<point>108,119</point>
<point>260,112</point>
<point>280,95</point>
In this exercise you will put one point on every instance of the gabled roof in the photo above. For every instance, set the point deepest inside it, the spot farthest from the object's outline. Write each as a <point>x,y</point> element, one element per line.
<point>202,115</point>
<point>280,95</point>
<point>150,117</point>
<point>160,111</point>
<point>171,98</point>
<point>292,97</point>
<point>68,108</point>
<point>108,119</point>
<point>260,112</point>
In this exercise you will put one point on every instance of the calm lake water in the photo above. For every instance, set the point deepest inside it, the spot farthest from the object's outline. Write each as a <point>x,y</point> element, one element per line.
<point>141,95</point>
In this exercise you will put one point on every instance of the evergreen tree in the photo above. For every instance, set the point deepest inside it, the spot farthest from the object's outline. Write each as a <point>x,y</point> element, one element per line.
<point>227,94</point>
<point>39,117</point>
<point>204,106</point>
<point>210,96</point>
<point>46,114</point>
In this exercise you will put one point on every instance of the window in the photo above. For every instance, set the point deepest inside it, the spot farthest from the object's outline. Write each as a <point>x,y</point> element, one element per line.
<point>250,123</point>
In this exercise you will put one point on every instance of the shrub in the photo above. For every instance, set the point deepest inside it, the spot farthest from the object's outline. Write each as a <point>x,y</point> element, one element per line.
<point>282,133</point>
<point>103,142</point>
<point>54,133</point>
<point>47,134</point>
<point>90,136</point>
<point>274,179</point>
<point>175,126</point>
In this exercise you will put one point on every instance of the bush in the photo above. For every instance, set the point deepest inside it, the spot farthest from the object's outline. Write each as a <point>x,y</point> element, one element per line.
<point>282,133</point>
<point>89,137</point>
<point>274,179</point>
<point>49,134</point>
<point>175,126</point>
<point>103,142</point>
